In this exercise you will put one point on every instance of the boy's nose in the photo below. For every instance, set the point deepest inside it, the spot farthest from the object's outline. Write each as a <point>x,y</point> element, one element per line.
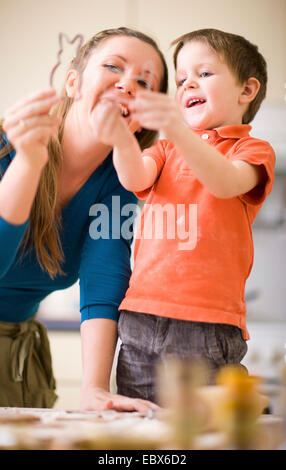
<point>190,83</point>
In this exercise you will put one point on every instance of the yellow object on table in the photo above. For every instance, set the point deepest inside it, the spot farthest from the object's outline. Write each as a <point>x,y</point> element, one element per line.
<point>242,405</point>
<point>193,409</point>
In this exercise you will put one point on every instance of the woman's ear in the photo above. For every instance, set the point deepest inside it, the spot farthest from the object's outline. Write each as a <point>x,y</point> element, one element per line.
<point>71,83</point>
<point>249,91</point>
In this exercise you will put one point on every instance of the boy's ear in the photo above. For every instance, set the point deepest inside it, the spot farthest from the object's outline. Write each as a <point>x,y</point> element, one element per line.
<point>71,83</point>
<point>250,90</point>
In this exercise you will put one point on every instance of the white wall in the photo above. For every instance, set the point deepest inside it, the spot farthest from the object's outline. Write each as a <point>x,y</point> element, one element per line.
<point>29,33</point>
<point>29,37</point>
<point>261,21</point>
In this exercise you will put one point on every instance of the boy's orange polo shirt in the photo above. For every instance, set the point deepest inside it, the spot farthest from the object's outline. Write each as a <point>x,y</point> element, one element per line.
<point>192,261</point>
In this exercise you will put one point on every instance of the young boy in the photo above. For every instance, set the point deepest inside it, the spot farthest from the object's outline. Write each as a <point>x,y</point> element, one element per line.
<point>186,293</point>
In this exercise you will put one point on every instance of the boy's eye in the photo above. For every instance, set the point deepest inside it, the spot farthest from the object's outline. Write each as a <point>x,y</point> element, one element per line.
<point>205,74</point>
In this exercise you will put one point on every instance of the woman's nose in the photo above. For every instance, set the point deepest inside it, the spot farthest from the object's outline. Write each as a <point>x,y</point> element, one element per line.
<point>127,85</point>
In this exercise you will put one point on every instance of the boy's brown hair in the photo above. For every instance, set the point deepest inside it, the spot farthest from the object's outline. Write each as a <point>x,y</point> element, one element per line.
<point>241,56</point>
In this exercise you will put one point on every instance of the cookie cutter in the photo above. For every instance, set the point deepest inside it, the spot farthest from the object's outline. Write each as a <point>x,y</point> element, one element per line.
<point>77,37</point>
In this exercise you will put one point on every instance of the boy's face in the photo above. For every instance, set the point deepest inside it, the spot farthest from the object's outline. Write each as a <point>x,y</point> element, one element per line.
<point>208,93</point>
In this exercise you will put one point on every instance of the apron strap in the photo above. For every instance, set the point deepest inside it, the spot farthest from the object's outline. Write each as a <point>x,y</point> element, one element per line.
<point>28,337</point>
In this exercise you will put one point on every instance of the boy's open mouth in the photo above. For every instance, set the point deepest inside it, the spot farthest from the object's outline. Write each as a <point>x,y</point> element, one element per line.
<point>190,103</point>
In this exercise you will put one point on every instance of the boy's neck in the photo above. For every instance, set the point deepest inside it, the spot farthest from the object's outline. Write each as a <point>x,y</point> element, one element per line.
<point>219,126</point>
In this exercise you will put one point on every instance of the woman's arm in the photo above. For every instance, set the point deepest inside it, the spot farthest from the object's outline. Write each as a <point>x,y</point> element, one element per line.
<point>18,188</point>
<point>104,277</point>
<point>99,337</point>
<point>17,191</point>
<point>28,127</point>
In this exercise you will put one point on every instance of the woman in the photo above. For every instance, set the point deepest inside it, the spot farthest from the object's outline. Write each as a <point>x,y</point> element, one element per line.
<point>54,169</point>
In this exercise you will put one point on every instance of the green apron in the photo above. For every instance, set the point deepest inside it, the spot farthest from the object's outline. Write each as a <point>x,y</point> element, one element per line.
<point>26,376</point>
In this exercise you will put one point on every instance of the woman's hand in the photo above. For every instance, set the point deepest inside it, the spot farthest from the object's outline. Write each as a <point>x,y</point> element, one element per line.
<point>100,399</point>
<point>29,126</point>
<point>99,338</point>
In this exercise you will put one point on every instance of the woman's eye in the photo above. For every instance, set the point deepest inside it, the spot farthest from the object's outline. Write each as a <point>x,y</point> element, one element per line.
<point>144,84</point>
<point>112,68</point>
<point>181,82</point>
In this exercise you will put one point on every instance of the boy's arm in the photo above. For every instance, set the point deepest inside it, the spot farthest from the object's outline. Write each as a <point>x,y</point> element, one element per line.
<point>223,178</point>
<point>135,173</point>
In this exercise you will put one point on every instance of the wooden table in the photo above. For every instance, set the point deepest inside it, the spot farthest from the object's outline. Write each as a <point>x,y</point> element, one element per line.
<point>51,429</point>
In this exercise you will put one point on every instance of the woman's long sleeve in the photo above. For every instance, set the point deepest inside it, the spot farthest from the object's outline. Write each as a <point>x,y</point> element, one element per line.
<point>10,239</point>
<point>105,264</point>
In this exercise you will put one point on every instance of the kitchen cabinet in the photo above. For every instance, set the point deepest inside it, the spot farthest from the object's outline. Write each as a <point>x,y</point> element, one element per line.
<point>66,357</point>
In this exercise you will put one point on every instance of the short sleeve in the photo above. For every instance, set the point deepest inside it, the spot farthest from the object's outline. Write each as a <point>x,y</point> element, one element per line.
<point>157,152</point>
<point>105,262</point>
<point>257,152</point>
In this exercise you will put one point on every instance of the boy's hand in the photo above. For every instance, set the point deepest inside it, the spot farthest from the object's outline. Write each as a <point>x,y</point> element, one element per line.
<point>110,127</point>
<point>156,111</point>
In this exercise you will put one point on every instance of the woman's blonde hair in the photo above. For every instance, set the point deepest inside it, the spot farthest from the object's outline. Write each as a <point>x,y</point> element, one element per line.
<point>43,233</point>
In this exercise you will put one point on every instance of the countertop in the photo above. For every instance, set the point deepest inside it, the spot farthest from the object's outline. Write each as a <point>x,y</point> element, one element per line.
<point>50,429</point>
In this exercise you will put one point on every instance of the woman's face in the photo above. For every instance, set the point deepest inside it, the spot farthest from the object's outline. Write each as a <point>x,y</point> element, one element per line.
<point>116,70</point>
